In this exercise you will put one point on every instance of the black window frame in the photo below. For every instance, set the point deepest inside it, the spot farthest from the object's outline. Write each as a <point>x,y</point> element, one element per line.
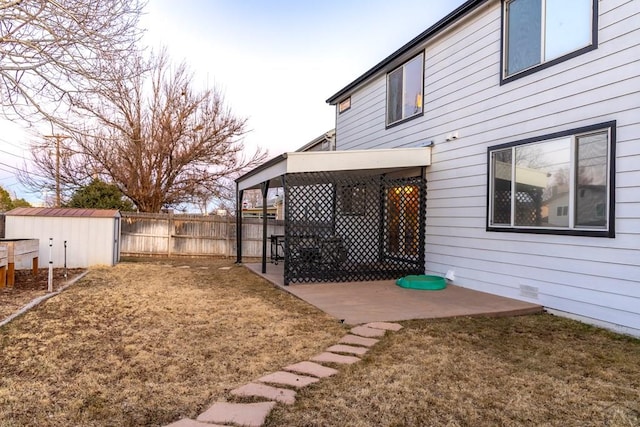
<point>387,92</point>
<point>352,199</point>
<point>543,65</point>
<point>609,232</point>
<point>344,110</point>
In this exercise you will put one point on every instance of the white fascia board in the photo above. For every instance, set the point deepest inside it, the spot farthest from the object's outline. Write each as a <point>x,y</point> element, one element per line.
<point>325,161</point>
<point>266,174</point>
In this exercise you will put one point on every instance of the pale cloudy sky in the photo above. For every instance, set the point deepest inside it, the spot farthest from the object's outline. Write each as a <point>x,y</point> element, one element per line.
<point>276,61</point>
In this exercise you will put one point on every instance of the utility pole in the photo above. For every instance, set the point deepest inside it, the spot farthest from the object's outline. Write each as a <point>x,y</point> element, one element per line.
<point>58,138</point>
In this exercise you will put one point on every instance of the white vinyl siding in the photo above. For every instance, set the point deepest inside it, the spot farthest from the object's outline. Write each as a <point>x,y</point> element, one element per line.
<point>589,276</point>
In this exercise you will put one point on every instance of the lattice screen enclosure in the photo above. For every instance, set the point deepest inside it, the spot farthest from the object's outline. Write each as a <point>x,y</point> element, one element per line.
<point>343,226</point>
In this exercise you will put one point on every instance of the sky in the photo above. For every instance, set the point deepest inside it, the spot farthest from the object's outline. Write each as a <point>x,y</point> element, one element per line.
<point>276,62</point>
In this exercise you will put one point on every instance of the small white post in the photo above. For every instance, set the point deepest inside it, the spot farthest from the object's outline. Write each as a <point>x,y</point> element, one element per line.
<point>50,282</point>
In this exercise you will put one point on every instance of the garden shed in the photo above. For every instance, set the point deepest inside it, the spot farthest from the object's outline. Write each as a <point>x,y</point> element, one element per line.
<point>92,236</point>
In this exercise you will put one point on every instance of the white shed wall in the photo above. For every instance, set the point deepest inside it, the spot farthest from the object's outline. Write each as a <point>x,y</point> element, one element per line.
<point>595,278</point>
<point>90,241</point>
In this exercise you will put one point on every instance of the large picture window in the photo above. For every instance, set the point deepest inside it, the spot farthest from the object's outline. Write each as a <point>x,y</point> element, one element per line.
<point>539,32</point>
<point>404,90</point>
<point>559,183</point>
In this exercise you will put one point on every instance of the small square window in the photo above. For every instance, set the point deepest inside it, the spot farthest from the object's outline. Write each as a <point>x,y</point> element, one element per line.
<point>344,105</point>
<point>351,200</point>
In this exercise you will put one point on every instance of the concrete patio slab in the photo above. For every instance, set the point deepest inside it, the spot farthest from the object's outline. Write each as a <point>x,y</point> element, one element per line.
<point>341,348</point>
<point>282,395</point>
<point>356,340</point>
<point>335,358</point>
<point>287,378</point>
<point>244,414</point>
<point>310,368</point>
<point>383,301</point>
<point>367,332</point>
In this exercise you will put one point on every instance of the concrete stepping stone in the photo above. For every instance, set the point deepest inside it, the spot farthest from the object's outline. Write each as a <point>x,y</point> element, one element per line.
<point>340,348</point>
<point>367,332</point>
<point>387,326</point>
<point>287,378</point>
<point>356,340</point>
<point>244,414</point>
<point>187,422</point>
<point>335,358</point>
<point>281,395</point>
<point>313,369</point>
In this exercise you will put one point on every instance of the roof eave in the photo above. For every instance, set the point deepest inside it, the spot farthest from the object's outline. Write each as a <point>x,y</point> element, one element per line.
<point>448,20</point>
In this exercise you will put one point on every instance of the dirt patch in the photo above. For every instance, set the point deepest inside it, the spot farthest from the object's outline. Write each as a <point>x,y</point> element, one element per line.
<point>29,286</point>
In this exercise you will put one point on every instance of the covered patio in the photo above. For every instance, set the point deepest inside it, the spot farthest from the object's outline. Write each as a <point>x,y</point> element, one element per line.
<point>384,301</point>
<point>355,215</point>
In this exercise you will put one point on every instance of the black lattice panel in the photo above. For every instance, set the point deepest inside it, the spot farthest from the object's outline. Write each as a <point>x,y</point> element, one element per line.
<point>349,227</point>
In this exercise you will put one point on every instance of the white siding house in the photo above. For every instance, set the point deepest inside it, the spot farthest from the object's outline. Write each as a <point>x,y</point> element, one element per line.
<point>92,236</point>
<point>567,232</point>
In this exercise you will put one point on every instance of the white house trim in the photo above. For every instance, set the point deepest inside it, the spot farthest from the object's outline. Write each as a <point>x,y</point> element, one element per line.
<point>327,161</point>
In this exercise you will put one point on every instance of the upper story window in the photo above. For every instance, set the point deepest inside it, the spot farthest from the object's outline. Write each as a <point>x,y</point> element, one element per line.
<point>540,33</point>
<point>404,90</point>
<point>344,105</point>
<point>558,184</point>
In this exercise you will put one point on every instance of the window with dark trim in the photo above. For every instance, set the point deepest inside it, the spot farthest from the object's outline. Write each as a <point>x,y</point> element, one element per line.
<point>561,183</point>
<point>344,105</point>
<point>404,90</point>
<point>351,199</point>
<point>540,33</point>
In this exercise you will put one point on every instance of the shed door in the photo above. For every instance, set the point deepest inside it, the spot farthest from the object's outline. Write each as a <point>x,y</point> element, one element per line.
<point>116,241</point>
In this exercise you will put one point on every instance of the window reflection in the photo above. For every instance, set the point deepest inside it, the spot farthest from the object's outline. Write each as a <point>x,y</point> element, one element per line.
<point>542,183</point>
<point>591,180</point>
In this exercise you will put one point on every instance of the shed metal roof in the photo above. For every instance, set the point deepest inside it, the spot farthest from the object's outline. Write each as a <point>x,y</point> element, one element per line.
<point>65,212</point>
<point>382,66</point>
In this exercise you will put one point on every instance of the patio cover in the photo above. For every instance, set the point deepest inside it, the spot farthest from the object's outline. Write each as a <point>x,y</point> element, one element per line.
<point>325,161</point>
<point>269,174</point>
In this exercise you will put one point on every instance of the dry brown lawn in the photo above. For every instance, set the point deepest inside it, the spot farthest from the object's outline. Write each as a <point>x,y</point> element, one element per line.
<point>29,286</point>
<point>147,343</point>
<point>537,370</point>
<point>144,344</point>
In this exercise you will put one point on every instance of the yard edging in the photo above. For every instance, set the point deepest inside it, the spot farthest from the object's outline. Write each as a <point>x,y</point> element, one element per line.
<point>37,301</point>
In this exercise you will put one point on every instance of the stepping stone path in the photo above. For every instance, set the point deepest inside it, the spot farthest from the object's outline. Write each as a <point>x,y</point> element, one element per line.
<point>299,375</point>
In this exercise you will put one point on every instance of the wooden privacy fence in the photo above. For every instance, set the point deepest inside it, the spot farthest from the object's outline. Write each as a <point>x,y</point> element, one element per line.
<point>191,235</point>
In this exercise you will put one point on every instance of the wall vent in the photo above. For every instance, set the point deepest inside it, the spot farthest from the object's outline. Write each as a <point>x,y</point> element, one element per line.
<point>529,291</point>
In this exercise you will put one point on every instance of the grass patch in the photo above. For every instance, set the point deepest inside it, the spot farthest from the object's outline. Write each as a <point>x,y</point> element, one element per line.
<point>147,343</point>
<point>530,370</point>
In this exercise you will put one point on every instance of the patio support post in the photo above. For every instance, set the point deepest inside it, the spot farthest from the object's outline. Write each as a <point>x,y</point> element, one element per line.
<point>239,197</point>
<point>265,190</point>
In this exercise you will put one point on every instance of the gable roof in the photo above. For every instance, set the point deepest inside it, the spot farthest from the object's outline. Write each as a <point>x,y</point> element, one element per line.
<point>452,17</point>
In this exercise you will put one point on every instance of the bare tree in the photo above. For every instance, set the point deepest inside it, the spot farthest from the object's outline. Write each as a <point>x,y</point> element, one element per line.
<point>51,50</point>
<point>162,142</point>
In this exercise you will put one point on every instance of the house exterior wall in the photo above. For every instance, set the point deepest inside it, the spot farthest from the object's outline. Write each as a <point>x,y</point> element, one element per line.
<point>595,278</point>
<point>90,241</point>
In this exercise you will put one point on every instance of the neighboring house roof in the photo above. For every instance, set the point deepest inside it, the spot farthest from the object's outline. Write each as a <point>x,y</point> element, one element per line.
<point>65,212</point>
<point>327,137</point>
<point>458,13</point>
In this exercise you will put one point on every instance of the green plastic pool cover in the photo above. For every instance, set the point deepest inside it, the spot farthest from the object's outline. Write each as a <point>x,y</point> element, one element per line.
<point>424,282</point>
